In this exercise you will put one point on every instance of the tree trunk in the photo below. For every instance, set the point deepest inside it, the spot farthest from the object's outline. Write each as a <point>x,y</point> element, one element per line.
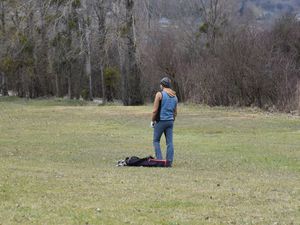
<point>298,94</point>
<point>148,14</point>
<point>131,81</point>
<point>70,82</point>
<point>24,83</point>
<point>87,33</point>
<point>43,61</point>
<point>101,14</point>
<point>88,70</point>
<point>4,91</point>
<point>102,85</point>
<point>57,91</point>
<point>3,86</point>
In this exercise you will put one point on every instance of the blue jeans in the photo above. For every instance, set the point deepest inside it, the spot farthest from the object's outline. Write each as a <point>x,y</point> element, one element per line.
<point>165,127</point>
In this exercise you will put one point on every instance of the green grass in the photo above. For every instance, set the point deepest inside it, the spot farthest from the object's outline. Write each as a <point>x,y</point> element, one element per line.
<point>232,166</point>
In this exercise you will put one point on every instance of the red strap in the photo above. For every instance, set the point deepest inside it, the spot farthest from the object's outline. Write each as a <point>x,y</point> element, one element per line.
<point>159,160</point>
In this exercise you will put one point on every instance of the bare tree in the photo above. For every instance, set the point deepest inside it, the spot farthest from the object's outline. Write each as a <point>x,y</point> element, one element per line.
<point>3,84</point>
<point>131,74</point>
<point>214,15</point>
<point>87,40</point>
<point>42,48</point>
<point>100,8</point>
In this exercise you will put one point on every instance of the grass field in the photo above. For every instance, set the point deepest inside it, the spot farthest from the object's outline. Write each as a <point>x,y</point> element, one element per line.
<point>232,166</point>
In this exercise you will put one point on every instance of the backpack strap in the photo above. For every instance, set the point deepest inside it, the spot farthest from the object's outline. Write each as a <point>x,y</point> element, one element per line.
<point>157,119</point>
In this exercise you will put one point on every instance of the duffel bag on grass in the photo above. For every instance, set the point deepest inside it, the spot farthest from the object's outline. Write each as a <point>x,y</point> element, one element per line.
<point>146,162</point>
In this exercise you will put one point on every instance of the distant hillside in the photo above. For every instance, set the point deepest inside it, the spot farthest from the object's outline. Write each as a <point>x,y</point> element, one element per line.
<point>263,10</point>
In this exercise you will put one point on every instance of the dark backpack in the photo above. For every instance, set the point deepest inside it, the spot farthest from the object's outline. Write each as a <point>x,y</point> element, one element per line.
<point>145,162</point>
<point>157,117</point>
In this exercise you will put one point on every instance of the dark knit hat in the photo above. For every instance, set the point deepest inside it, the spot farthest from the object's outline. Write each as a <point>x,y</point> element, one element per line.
<point>166,82</point>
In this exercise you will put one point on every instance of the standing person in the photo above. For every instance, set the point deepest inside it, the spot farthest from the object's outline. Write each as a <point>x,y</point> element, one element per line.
<point>163,116</point>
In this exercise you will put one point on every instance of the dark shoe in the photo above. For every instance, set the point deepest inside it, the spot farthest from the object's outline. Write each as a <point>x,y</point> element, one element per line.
<point>169,164</point>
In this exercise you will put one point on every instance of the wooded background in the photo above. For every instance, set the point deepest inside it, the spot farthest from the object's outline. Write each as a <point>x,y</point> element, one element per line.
<point>216,52</point>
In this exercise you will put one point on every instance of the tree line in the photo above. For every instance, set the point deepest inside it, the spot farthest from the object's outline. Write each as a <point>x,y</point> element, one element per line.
<point>120,49</point>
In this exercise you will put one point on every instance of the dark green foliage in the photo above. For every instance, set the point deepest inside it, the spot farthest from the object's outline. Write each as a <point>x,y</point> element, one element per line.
<point>73,23</point>
<point>111,78</point>
<point>85,94</point>
<point>7,64</point>
<point>58,2</point>
<point>76,3</point>
<point>204,28</point>
<point>124,30</point>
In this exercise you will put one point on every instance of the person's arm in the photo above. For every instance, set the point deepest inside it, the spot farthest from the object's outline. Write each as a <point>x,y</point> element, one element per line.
<point>158,97</point>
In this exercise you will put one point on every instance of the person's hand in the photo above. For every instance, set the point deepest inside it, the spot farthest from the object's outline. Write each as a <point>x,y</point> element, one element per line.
<point>152,124</point>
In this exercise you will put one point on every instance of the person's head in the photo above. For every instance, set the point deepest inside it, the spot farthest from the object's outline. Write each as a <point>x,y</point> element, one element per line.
<point>165,83</point>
